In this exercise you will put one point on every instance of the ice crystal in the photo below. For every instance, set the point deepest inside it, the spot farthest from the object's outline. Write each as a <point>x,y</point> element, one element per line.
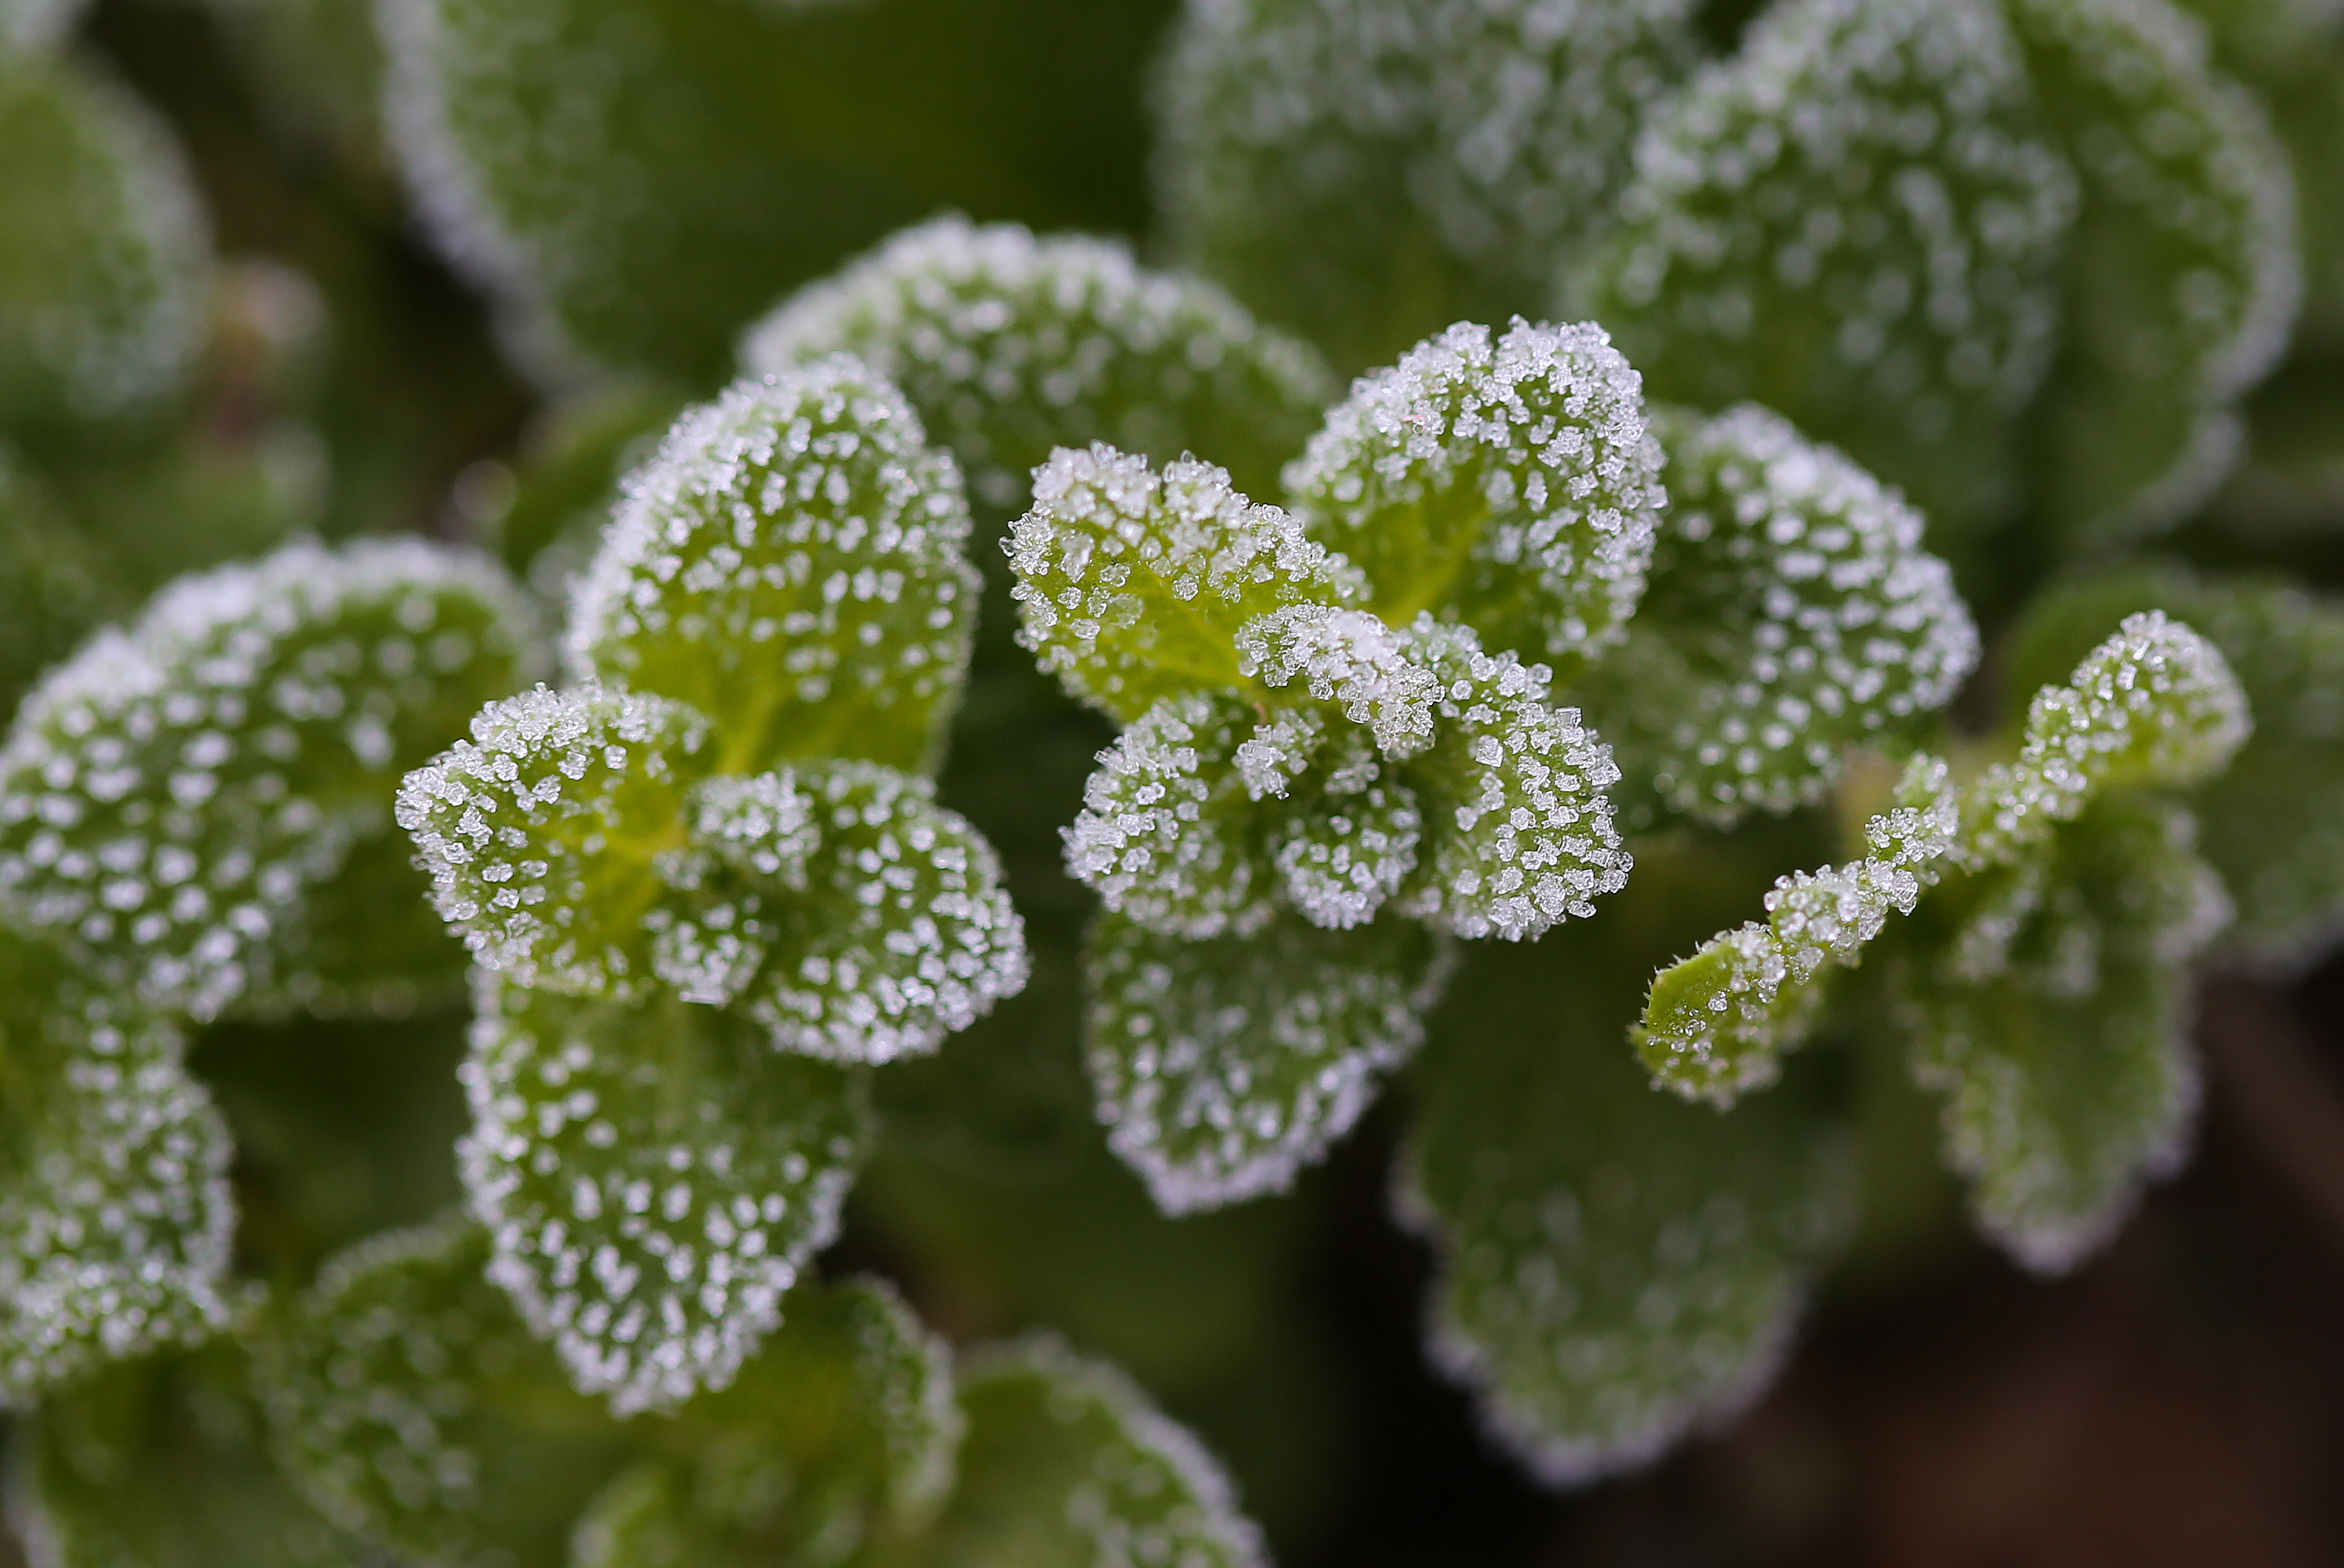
<point>115,1212</point>
<point>1793,615</point>
<point>103,248</point>
<point>1507,483</point>
<point>791,565</point>
<point>1009,346</point>
<point>1222,1067</point>
<point>173,800</point>
<point>653,1177</point>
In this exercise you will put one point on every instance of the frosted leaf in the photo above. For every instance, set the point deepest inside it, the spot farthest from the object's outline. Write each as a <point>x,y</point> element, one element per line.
<point>2055,1016</point>
<point>171,798</point>
<point>416,1412</point>
<point>1132,584</point>
<point>553,831</point>
<point>902,934</point>
<point>1341,866</point>
<point>114,1211</point>
<point>1517,832</point>
<point>837,1437</point>
<point>1509,485</point>
<point>163,1460</point>
<point>1716,1024</point>
<point>1346,659</point>
<point>1066,1465</point>
<point>1224,1068</point>
<point>1855,221</point>
<point>1169,833</point>
<point>53,585</point>
<point>1368,169</point>
<point>103,248</point>
<point>1793,615</point>
<point>791,566</point>
<point>653,1177</point>
<point>1616,1267</point>
<point>1010,345</point>
<point>2183,274</point>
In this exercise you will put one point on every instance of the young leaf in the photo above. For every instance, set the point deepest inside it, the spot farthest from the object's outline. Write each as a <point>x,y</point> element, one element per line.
<point>653,1177</point>
<point>1716,1024</point>
<point>114,1211</point>
<point>162,1464</point>
<point>417,1412</point>
<point>103,249</point>
<point>1509,485</point>
<point>2053,1013</point>
<point>1222,1067</point>
<point>1856,222</point>
<point>171,796</point>
<point>1133,585</point>
<point>2183,274</point>
<point>791,564</point>
<point>1067,1465</point>
<point>1616,1267</point>
<point>1009,346</point>
<point>837,1436</point>
<point>1793,615</point>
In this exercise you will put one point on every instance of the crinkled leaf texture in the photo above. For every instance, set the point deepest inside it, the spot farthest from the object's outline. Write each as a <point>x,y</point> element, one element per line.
<point>1368,169</point>
<point>1010,345</point>
<point>2184,272</point>
<point>1222,1067</point>
<point>417,1412</point>
<point>174,800</point>
<point>114,1211</point>
<point>791,566</point>
<point>1066,1465</point>
<point>578,846</point>
<point>1509,485</point>
<point>653,1177</point>
<point>104,254</point>
<point>1616,1267</point>
<point>836,1441</point>
<point>1793,615</point>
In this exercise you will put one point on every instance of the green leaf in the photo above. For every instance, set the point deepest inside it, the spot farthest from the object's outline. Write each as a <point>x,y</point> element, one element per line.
<point>791,564</point>
<point>1133,585</point>
<point>837,1437</point>
<point>162,1464</point>
<point>1224,1068</point>
<point>103,249</point>
<point>1009,346</point>
<point>114,1211</point>
<point>2051,1010</point>
<point>170,797</point>
<point>654,1177</point>
<point>417,1412</point>
<point>1509,485</point>
<point>1617,1267</point>
<point>1855,221</point>
<point>2183,275</point>
<point>1793,615</point>
<point>1067,1465</point>
<point>1369,171</point>
<point>1716,1024</point>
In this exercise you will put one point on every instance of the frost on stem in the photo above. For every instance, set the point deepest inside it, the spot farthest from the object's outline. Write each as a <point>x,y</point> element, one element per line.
<point>1009,344</point>
<point>1367,170</point>
<point>653,1177</point>
<point>1509,485</point>
<point>104,253</point>
<point>1793,615</point>
<point>791,565</point>
<point>1222,1067</point>
<point>1066,1465</point>
<point>178,801</point>
<point>114,1211</point>
<point>1857,220</point>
